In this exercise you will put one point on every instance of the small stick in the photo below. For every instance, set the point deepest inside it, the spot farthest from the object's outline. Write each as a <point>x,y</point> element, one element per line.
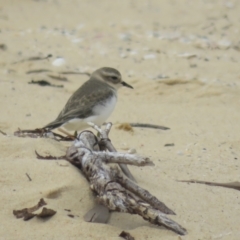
<point>147,125</point>
<point>233,185</point>
<point>49,157</point>
<point>42,133</point>
<point>38,71</point>
<point>33,59</point>
<point>29,178</point>
<point>63,79</point>
<point>3,133</point>
<point>72,72</point>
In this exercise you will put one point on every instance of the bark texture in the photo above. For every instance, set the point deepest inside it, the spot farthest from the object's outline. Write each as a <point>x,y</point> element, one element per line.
<point>113,189</point>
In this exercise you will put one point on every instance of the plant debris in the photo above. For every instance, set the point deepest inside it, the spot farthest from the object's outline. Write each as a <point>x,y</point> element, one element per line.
<point>147,125</point>
<point>3,133</point>
<point>126,127</point>
<point>63,79</point>
<point>3,46</point>
<point>46,212</point>
<point>233,185</point>
<point>29,178</point>
<point>72,72</point>
<point>26,212</point>
<point>169,145</point>
<point>126,235</point>
<point>44,83</point>
<point>37,58</point>
<point>42,133</point>
<point>49,157</point>
<point>38,71</point>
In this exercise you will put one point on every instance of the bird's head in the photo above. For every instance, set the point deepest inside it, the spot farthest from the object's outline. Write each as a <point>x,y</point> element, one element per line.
<point>110,76</point>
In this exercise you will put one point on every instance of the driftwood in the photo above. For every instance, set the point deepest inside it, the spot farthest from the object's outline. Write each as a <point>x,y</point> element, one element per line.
<point>44,133</point>
<point>113,189</point>
<point>105,144</point>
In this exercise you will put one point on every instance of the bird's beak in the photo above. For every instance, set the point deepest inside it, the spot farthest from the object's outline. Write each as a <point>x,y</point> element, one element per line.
<point>126,85</point>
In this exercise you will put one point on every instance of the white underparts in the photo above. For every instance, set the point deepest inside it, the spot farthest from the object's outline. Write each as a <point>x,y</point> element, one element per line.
<point>101,114</point>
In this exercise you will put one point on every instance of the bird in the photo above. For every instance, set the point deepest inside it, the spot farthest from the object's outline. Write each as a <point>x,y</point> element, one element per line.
<point>93,102</point>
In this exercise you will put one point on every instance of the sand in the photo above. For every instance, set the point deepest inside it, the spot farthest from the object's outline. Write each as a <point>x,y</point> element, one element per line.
<point>182,57</point>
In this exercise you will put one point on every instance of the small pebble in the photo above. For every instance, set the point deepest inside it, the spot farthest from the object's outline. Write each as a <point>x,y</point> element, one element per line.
<point>58,62</point>
<point>132,151</point>
<point>224,44</point>
<point>149,56</point>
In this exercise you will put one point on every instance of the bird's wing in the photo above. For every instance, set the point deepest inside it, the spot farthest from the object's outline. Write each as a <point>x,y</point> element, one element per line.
<point>80,107</point>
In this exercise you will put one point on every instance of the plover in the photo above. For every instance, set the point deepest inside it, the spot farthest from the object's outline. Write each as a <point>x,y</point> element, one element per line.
<point>93,102</point>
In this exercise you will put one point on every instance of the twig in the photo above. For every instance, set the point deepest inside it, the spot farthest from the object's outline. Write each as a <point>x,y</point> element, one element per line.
<point>63,79</point>
<point>42,133</point>
<point>49,157</point>
<point>3,133</point>
<point>72,72</point>
<point>37,58</point>
<point>44,83</point>
<point>234,185</point>
<point>29,178</point>
<point>147,125</point>
<point>26,213</point>
<point>38,71</point>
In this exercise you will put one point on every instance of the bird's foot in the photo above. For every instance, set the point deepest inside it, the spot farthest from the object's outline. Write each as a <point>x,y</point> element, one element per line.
<point>102,133</point>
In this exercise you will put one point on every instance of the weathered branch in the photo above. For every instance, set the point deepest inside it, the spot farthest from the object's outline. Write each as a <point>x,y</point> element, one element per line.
<point>105,141</point>
<point>113,189</point>
<point>125,158</point>
<point>145,195</point>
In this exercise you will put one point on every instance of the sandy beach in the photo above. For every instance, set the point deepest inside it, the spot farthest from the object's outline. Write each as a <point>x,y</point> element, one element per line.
<point>181,57</point>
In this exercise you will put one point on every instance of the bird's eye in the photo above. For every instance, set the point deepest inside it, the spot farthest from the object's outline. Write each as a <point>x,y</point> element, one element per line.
<point>114,78</point>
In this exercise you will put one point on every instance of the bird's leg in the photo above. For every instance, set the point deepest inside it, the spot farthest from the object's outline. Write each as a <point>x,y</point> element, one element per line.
<point>94,126</point>
<point>66,133</point>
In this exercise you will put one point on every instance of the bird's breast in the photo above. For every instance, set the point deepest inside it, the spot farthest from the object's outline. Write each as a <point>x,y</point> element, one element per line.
<point>103,110</point>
